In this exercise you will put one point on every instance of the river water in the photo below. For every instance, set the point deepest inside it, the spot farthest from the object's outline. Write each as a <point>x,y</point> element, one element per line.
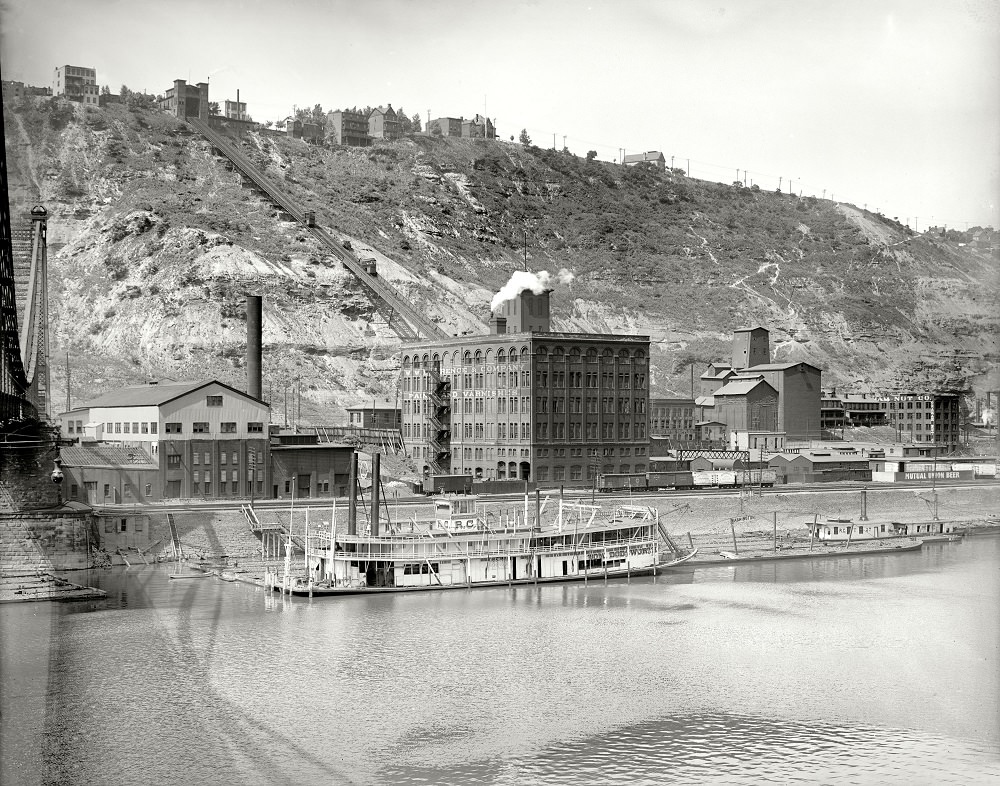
<point>875,669</point>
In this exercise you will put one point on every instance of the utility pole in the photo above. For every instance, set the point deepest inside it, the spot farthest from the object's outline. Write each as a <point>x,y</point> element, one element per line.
<point>779,182</point>
<point>689,168</point>
<point>824,193</point>
<point>553,140</point>
<point>564,141</point>
<point>671,162</point>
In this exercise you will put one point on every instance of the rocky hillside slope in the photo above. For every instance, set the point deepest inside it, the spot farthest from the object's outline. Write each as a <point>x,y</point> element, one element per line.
<point>155,243</point>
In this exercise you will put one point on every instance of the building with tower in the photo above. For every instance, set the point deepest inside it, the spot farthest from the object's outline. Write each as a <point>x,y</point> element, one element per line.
<point>526,403</point>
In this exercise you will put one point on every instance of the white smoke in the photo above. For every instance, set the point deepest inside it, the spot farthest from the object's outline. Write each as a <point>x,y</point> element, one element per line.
<point>521,280</point>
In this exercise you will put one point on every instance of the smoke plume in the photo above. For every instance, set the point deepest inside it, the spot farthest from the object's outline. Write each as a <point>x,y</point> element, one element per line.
<point>521,280</point>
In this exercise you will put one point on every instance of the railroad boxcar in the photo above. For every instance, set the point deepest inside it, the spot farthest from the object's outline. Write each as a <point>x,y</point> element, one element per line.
<point>720,479</point>
<point>669,480</point>
<point>621,482</point>
<point>447,484</point>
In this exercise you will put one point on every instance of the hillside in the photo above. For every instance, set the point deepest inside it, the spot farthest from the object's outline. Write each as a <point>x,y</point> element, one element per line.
<point>154,244</point>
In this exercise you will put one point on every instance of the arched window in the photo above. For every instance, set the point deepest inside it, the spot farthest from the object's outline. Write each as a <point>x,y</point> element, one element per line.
<point>607,354</point>
<point>541,351</point>
<point>501,356</point>
<point>558,352</point>
<point>406,361</point>
<point>574,353</point>
<point>639,354</point>
<point>524,354</point>
<point>479,357</point>
<point>489,356</point>
<point>623,354</point>
<point>467,358</point>
<point>513,355</point>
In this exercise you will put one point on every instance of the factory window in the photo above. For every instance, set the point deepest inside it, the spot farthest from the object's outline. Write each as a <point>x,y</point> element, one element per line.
<point>118,428</point>
<point>196,459</point>
<point>208,459</point>
<point>223,456</point>
<point>199,428</point>
<point>152,428</point>
<point>173,461</point>
<point>171,428</point>
<point>236,458</point>
<point>256,427</point>
<point>148,491</point>
<point>228,428</point>
<point>145,428</point>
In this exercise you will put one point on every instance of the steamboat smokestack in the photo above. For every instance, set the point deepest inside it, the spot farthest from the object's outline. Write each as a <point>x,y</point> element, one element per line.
<point>352,497</point>
<point>376,483</point>
<point>254,353</point>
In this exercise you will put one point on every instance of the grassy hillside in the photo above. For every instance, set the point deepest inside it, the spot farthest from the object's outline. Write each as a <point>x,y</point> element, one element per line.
<point>157,243</point>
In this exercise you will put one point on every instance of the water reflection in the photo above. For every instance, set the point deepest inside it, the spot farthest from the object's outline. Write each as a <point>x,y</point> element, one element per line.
<point>727,748</point>
<point>873,669</point>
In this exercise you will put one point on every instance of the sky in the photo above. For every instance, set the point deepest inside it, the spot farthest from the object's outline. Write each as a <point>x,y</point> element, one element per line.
<point>893,105</point>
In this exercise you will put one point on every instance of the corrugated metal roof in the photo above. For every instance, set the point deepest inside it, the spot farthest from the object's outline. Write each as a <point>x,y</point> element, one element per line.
<point>739,387</point>
<point>144,395</point>
<point>99,455</point>
<point>779,366</point>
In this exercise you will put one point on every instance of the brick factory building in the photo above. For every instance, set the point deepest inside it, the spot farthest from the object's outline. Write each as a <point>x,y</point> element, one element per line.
<point>527,403</point>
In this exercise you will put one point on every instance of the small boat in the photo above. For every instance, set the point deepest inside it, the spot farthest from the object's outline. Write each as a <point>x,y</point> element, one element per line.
<point>189,575</point>
<point>226,575</point>
<point>463,548</point>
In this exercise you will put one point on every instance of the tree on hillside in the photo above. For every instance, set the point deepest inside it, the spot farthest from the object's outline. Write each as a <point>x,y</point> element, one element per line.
<point>415,123</point>
<point>213,108</point>
<point>105,90</point>
<point>524,139</point>
<point>404,122</point>
<point>591,155</point>
<point>124,92</point>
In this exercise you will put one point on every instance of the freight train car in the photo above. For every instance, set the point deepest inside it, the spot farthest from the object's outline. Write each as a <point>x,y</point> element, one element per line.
<point>621,482</point>
<point>669,480</point>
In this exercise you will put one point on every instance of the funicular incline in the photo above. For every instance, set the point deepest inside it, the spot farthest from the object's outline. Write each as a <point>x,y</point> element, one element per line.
<point>410,324</point>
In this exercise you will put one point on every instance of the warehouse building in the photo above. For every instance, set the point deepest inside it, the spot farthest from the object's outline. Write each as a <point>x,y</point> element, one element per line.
<point>527,403</point>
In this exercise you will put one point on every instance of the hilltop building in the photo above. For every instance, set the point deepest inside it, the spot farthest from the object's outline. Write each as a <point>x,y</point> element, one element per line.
<point>77,83</point>
<point>654,157</point>
<point>346,127</point>
<point>927,417</point>
<point>235,110</point>
<point>383,123</point>
<point>445,126</point>
<point>184,100</point>
<point>478,127</point>
<point>381,413</point>
<point>527,403</point>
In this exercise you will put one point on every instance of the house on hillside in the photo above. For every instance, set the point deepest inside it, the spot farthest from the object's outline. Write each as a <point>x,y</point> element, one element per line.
<point>383,123</point>
<point>654,157</point>
<point>77,84</point>
<point>445,126</point>
<point>478,128</point>
<point>347,127</point>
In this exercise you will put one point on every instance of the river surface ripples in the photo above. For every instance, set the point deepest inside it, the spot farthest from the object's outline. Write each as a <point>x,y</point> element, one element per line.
<point>874,669</point>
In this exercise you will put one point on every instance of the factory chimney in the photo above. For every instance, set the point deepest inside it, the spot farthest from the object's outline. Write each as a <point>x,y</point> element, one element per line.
<point>254,353</point>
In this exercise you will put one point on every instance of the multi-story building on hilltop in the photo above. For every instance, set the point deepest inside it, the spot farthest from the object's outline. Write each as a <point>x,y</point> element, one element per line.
<point>527,403</point>
<point>184,100</point>
<point>346,127</point>
<point>383,123</point>
<point>77,84</point>
<point>445,126</point>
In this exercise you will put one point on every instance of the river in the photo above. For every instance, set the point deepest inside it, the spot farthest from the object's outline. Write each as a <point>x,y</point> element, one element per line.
<point>875,669</point>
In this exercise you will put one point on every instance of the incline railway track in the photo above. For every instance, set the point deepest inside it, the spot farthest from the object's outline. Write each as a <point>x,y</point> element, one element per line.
<point>405,320</point>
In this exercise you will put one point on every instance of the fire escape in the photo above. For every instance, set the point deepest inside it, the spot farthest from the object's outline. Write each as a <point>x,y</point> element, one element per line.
<point>439,400</point>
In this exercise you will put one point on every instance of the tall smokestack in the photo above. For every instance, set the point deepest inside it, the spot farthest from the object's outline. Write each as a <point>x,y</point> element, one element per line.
<point>376,483</point>
<point>352,497</point>
<point>254,353</point>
